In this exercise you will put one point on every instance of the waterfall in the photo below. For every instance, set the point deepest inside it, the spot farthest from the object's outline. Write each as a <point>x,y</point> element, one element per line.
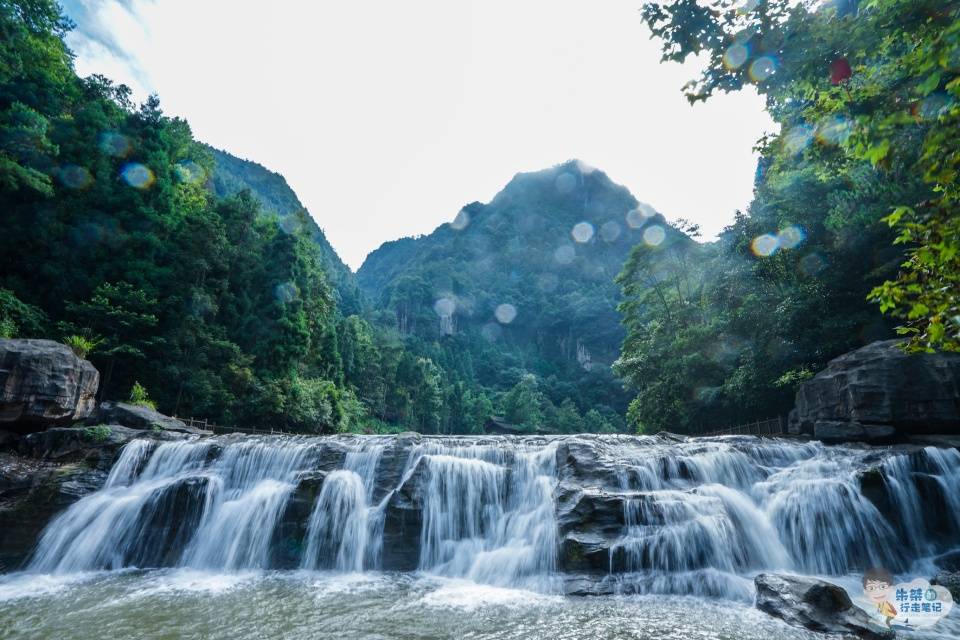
<point>696,516</point>
<point>252,483</point>
<point>488,514</point>
<point>344,530</point>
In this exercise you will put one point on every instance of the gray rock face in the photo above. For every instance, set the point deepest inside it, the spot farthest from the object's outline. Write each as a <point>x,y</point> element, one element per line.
<point>71,443</point>
<point>43,383</point>
<point>140,417</point>
<point>33,491</point>
<point>950,580</point>
<point>814,604</point>
<point>879,393</point>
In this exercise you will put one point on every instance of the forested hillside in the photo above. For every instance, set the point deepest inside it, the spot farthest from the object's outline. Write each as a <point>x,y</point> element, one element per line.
<point>231,175</point>
<point>520,291</point>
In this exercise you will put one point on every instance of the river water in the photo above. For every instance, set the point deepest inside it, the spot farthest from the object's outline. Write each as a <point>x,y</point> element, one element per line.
<point>293,605</point>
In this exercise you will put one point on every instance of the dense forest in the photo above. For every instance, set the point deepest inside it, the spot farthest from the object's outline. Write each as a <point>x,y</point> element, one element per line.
<point>562,305</point>
<point>854,212</point>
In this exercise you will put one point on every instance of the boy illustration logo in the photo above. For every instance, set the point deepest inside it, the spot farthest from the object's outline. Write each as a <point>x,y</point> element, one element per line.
<point>878,586</point>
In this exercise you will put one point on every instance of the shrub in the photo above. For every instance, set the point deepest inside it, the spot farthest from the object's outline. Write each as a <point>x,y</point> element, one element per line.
<point>98,434</point>
<point>17,318</point>
<point>81,345</point>
<point>140,397</point>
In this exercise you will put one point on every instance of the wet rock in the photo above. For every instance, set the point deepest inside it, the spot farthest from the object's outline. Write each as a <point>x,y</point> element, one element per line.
<point>403,521</point>
<point>873,486</point>
<point>584,552</point>
<point>583,461</point>
<point>948,561</point>
<point>935,440</point>
<point>816,605</point>
<point>950,580</point>
<point>879,392</point>
<point>590,521</point>
<point>172,517</point>
<point>587,585</point>
<point>32,492</point>
<point>9,439</point>
<point>140,417</point>
<point>589,508</point>
<point>43,383</point>
<point>289,536</point>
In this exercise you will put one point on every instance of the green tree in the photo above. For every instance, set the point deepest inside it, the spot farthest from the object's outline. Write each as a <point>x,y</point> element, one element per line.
<point>522,404</point>
<point>875,82</point>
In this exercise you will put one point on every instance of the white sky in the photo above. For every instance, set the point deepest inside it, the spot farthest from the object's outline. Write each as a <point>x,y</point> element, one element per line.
<point>386,117</point>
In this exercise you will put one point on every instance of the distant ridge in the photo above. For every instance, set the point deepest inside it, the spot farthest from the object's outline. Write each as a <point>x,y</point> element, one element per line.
<point>233,174</point>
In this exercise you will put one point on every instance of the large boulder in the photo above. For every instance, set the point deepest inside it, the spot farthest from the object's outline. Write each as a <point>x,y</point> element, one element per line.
<point>878,393</point>
<point>817,605</point>
<point>137,416</point>
<point>43,383</point>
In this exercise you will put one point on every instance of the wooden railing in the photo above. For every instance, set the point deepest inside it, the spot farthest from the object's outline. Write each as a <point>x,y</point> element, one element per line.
<point>219,429</point>
<point>770,427</point>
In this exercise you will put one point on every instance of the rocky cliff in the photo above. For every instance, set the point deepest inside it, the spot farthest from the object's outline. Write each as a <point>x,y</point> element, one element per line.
<point>42,382</point>
<point>879,393</point>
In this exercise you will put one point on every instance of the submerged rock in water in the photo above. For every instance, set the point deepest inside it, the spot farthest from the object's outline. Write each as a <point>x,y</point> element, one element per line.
<point>814,604</point>
<point>43,383</point>
<point>879,393</point>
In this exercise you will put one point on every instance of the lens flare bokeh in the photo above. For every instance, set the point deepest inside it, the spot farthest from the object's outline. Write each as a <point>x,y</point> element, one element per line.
<point>444,307</point>
<point>582,232</point>
<point>565,254</point>
<point>735,56</point>
<point>115,144</point>
<point>764,245</point>
<point>798,138</point>
<point>286,292</point>
<point>190,172</point>
<point>791,237</point>
<point>638,217</point>
<point>74,176</point>
<point>610,231</point>
<point>505,313</point>
<point>461,221</point>
<point>137,175</point>
<point>762,68</point>
<point>565,183</point>
<point>834,130</point>
<point>654,235</point>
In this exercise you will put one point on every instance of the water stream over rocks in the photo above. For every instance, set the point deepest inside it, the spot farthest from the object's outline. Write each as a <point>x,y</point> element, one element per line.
<point>641,515</point>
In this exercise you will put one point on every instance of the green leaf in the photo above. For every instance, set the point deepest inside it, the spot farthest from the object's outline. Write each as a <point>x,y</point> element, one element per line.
<point>930,85</point>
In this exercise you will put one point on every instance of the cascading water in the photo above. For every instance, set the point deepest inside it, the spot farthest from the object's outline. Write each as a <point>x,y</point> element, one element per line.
<point>655,515</point>
<point>488,514</point>
<point>344,529</point>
